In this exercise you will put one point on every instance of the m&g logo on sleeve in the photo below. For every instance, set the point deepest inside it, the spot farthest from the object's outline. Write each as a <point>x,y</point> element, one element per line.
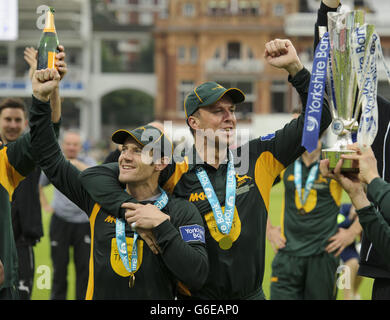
<point>192,233</point>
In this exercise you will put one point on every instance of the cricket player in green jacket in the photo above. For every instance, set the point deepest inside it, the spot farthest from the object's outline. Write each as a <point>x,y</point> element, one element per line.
<point>121,266</point>
<point>16,162</point>
<point>308,242</point>
<point>232,198</point>
<point>372,221</point>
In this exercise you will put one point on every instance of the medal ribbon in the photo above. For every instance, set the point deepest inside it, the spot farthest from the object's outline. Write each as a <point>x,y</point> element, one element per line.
<point>224,220</point>
<point>309,182</point>
<point>316,93</point>
<point>160,203</point>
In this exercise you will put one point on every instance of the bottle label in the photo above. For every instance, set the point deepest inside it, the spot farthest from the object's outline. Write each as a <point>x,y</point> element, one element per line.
<point>51,58</point>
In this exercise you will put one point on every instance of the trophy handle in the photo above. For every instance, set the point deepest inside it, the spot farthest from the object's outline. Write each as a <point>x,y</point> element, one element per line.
<point>367,56</point>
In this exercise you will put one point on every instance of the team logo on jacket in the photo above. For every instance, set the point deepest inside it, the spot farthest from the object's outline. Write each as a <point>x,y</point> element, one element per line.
<point>115,259</point>
<point>240,180</point>
<point>235,231</point>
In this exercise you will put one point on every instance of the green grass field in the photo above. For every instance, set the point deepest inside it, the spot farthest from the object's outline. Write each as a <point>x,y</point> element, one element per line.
<point>42,255</point>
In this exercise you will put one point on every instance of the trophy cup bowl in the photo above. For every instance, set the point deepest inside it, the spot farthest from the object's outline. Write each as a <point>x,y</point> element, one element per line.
<point>342,84</point>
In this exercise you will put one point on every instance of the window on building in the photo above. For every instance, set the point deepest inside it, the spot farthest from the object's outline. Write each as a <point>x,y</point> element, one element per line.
<point>250,54</point>
<point>223,7</point>
<point>181,54</point>
<point>123,17</point>
<point>185,87</point>
<point>234,50</point>
<point>218,7</point>
<point>279,96</point>
<point>255,8</point>
<point>145,18</point>
<point>279,10</point>
<point>21,69</point>
<point>188,9</point>
<point>243,6</point>
<point>217,53</point>
<point>3,56</point>
<point>212,10</point>
<point>249,8</point>
<point>194,55</point>
<point>129,55</point>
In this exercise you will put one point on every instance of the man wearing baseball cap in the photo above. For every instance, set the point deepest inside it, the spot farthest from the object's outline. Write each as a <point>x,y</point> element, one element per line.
<point>233,201</point>
<point>121,265</point>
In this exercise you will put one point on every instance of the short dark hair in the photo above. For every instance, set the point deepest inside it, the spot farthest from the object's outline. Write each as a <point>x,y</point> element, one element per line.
<point>296,109</point>
<point>15,103</point>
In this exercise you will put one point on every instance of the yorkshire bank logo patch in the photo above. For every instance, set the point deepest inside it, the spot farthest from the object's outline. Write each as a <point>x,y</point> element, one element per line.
<point>192,233</point>
<point>214,231</point>
<point>116,261</point>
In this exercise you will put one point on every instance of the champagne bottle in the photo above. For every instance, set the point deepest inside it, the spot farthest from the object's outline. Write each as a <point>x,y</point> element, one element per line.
<point>47,48</point>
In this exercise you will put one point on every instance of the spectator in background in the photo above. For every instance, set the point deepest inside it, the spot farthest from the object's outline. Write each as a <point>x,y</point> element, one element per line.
<point>25,207</point>
<point>69,226</point>
<point>350,255</point>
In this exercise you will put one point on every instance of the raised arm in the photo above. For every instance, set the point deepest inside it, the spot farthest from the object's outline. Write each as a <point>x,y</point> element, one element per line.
<point>322,17</point>
<point>285,144</point>
<point>61,173</point>
<point>19,153</point>
<point>104,187</point>
<point>376,229</point>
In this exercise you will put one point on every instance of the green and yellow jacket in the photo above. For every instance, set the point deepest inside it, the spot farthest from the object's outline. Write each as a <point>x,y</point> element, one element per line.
<point>307,231</point>
<point>16,162</point>
<point>236,273</point>
<point>374,223</point>
<point>183,256</point>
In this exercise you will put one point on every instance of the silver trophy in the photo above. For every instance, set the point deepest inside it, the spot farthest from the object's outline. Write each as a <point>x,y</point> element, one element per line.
<point>343,80</point>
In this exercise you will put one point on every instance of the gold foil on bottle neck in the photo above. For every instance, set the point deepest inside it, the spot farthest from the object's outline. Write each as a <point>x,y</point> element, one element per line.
<point>49,23</point>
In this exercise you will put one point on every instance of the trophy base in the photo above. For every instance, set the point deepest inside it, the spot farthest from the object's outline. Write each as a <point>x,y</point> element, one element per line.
<point>335,155</point>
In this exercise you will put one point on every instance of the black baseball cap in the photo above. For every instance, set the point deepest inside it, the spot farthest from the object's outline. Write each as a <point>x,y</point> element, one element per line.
<point>209,93</point>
